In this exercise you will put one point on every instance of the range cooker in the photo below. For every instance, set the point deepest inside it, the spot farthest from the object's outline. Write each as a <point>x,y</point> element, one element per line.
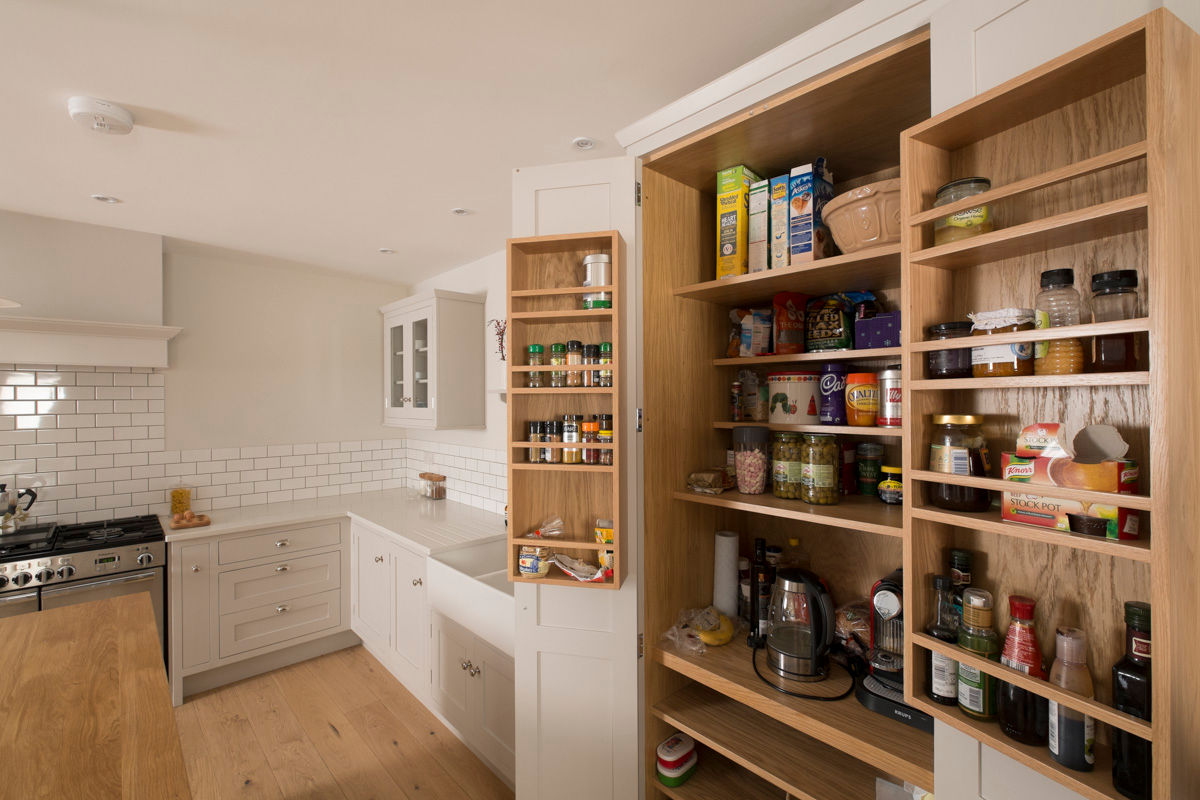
<point>51,565</point>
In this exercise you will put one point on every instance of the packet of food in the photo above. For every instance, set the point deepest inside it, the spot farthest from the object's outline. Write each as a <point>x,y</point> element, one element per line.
<point>551,526</point>
<point>579,570</point>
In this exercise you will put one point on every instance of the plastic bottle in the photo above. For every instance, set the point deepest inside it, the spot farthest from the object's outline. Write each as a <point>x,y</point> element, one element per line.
<point>1058,304</point>
<point>1023,714</point>
<point>1114,297</point>
<point>977,689</point>
<point>1131,770</point>
<point>941,672</point>
<point>1072,734</point>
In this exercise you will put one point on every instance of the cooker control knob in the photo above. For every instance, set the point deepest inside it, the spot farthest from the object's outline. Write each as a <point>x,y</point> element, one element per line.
<point>44,575</point>
<point>66,571</point>
<point>3,581</point>
<point>145,559</point>
<point>21,579</point>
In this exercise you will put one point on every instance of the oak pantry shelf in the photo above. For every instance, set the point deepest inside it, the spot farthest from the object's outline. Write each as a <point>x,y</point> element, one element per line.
<point>545,306</point>
<point>685,313</point>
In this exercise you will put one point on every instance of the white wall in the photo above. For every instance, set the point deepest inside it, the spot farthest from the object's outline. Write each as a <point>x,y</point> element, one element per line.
<point>487,275</point>
<point>271,352</point>
<point>69,270</point>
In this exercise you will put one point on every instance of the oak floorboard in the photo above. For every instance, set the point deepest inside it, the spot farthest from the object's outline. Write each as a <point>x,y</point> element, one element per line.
<point>245,772</point>
<point>477,781</point>
<point>402,755</point>
<point>202,765</point>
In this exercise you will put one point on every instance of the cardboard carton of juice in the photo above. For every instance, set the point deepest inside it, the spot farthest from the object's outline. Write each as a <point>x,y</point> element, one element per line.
<point>733,220</point>
<point>759,203</point>
<point>810,187</point>
<point>777,224</point>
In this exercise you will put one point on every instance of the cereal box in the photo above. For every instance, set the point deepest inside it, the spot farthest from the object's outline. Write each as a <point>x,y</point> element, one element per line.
<point>810,187</point>
<point>759,202</point>
<point>733,234</point>
<point>777,224</point>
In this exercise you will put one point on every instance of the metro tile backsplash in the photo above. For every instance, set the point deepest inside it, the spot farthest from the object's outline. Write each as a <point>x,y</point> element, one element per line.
<point>91,441</point>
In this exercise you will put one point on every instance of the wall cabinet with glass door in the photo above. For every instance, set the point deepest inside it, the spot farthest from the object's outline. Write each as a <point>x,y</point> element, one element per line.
<point>433,361</point>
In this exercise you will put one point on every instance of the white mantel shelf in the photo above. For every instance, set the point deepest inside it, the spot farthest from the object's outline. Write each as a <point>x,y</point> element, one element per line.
<point>42,340</point>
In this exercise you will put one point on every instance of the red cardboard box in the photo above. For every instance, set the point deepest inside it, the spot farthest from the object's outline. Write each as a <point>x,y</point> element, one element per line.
<point>1113,475</point>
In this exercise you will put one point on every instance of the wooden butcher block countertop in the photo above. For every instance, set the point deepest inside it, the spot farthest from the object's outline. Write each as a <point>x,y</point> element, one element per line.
<point>86,709</point>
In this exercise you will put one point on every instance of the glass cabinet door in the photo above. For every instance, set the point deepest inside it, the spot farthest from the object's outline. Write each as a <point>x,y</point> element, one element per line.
<point>396,390</point>
<point>420,364</point>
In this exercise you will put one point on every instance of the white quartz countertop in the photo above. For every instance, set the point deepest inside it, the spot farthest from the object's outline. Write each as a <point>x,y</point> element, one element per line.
<point>431,526</point>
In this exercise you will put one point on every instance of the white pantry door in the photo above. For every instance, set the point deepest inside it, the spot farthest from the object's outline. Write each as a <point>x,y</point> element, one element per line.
<point>578,677</point>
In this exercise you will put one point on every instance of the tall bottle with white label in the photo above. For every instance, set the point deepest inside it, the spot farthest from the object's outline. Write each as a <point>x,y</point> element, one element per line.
<point>1072,734</point>
<point>941,671</point>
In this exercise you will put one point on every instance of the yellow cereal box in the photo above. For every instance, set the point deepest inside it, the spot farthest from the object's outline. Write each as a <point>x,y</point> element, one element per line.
<point>733,227</point>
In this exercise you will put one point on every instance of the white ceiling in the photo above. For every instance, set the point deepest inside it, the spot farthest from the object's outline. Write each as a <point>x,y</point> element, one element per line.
<point>320,131</point>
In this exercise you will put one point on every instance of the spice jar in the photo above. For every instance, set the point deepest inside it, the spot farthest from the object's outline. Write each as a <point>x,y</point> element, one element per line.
<point>785,467</point>
<point>558,358</point>
<point>751,458</point>
<point>862,399</point>
<point>596,271</point>
<point>536,358</point>
<point>605,436</point>
<point>591,435</point>
<point>957,447</point>
<point>891,486</point>
<point>606,375</point>
<point>574,358</point>
<point>591,355</point>
<point>963,224</point>
<point>553,433</point>
<point>1114,297</point>
<point>1002,360</point>
<point>571,434</point>
<point>950,363</point>
<point>537,433</point>
<point>868,457</point>
<point>819,469</point>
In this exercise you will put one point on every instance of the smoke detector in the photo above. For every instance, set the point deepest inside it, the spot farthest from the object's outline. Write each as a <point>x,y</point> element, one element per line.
<point>99,115</point>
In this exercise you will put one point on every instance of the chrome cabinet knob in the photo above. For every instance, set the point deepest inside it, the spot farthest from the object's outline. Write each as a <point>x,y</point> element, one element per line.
<point>280,609</point>
<point>282,568</point>
<point>418,582</point>
<point>378,559</point>
<point>282,542</point>
<point>473,671</point>
<point>466,665</point>
<point>195,567</point>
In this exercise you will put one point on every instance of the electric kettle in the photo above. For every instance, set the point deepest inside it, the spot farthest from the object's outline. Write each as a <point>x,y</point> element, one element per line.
<point>800,626</point>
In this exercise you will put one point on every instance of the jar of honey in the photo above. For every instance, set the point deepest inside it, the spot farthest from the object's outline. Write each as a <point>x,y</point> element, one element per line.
<point>862,399</point>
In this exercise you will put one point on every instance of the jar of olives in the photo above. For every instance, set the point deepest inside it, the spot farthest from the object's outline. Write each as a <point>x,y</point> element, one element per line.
<point>785,470</point>
<point>819,469</point>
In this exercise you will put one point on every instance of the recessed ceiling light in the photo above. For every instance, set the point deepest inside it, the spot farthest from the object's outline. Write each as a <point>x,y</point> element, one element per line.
<point>460,212</point>
<point>106,198</point>
<point>387,251</point>
<point>583,143</point>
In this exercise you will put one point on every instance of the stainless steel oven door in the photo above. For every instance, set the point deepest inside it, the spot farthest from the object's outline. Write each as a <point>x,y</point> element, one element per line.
<point>150,580</point>
<point>18,603</point>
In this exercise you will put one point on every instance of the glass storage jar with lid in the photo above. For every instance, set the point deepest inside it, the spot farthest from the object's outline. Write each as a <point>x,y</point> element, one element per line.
<point>962,224</point>
<point>537,357</point>
<point>785,467</point>
<point>1114,297</point>
<point>957,447</point>
<point>751,458</point>
<point>949,363</point>
<point>819,462</point>
<point>1002,360</point>
<point>558,358</point>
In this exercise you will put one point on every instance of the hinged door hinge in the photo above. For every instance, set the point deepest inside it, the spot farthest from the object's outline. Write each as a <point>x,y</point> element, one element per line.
<point>637,193</point>
<point>639,420</point>
<point>641,645</point>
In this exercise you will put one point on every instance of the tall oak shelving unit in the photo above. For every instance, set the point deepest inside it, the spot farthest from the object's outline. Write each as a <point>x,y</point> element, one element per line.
<point>1094,162</point>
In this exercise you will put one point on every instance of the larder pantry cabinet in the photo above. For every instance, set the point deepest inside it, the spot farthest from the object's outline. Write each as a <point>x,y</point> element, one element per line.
<point>387,606</point>
<point>433,361</point>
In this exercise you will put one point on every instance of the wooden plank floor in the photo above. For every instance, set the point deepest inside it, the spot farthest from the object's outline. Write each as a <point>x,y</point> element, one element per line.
<point>339,726</point>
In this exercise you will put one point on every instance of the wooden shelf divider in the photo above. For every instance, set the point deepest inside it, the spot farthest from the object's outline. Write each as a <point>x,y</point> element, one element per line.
<point>752,362</point>
<point>1085,379</point>
<point>572,315</point>
<point>841,430</point>
<point>1088,330</point>
<point>797,763</point>
<point>856,512</point>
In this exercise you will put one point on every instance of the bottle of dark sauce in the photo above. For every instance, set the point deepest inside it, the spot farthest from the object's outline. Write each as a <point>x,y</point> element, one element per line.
<point>1023,715</point>
<point>760,594</point>
<point>941,672</point>
<point>1131,694</point>
<point>1072,735</point>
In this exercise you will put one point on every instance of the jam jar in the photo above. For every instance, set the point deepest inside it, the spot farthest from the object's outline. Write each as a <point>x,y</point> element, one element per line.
<point>1002,360</point>
<point>957,447</point>
<point>949,363</point>
<point>963,224</point>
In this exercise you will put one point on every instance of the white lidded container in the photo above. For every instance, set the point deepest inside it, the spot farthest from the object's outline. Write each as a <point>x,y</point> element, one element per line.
<point>794,398</point>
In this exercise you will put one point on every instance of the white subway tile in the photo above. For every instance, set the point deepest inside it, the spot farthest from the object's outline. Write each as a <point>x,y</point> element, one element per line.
<point>370,444</point>
<point>350,447</point>
<point>304,494</point>
<point>219,503</point>
<point>131,511</point>
<point>303,472</point>
<point>254,475</point>
<point>371,486</point>
<point>316,481</point>
<point>165,457</point>
<point>291,461</point>
<point>94,406</point>
<point>128,487</point>
<point>95,462</point>
<point>101,489</point>
<point>327,447</point>
<point>239,464</point>
<point>18,437</point>
<point>225,453</point>
<point>17,378</point>
<point>254,499</point>
<point>150,420</point>
<point>130,380</point>
<point>33,393</point>
<point>157,379</point>
<point>291,483</point>
<point>156,405</point>
<point>129,406</point>
<point>113,501</point>
<point>254,452</point>
<point>221,478</point>
<point>304,449</point>
<point>56,464</point>
<point>200,506</point>
<point>150,498</point>
<point>94,379</point>
<point>195,455</point>
<point>113,474</point>
<point>151,445</point>
<point>179,469</point>
<point>146,393</point>
<point>266,486</point>
<point>327,491</point>
<point>18,407</point>
<point>130,460</point>
<point>112,392</point>
<point>322,458</point>
<point>151,471</point>
<point>209,467</point>
<point>134,432</point>
<point>279,474</point>
<point>352,488</point>
<point>94,434</point>
<point>80,504</point>
<point>209,492</point>
<point>338,480</point>
<point>266,463</point>
<point>339,458</point>
<point>279,450</point>
<point>84,393</point>
<point>36,451</point>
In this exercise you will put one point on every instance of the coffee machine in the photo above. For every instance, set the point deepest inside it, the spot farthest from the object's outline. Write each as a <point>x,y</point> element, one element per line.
<point>882,688</point>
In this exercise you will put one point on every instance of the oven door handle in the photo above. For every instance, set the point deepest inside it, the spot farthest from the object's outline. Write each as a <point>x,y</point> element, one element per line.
<point>12,598</point>
<point>138,578</point>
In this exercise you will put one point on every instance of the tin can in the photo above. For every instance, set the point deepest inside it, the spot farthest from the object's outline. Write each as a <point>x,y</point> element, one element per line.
<point>889,398</point>
<point>862,399</point>
<point>833,394</point>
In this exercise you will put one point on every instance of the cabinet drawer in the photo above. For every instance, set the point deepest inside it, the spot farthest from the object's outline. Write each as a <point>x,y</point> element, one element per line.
<point>245,588</point>
<point>278,543</point>
<point>279,622</point>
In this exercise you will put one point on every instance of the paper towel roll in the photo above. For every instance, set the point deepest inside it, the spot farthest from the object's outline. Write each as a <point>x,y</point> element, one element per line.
<point>725,573</point>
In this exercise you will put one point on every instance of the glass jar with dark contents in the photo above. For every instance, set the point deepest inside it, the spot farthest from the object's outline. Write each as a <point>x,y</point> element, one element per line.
<point>957,447</point>
<point>950,363</point>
